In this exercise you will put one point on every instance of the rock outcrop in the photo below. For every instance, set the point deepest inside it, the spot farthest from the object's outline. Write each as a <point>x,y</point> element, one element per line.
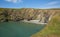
<point>44,15</point>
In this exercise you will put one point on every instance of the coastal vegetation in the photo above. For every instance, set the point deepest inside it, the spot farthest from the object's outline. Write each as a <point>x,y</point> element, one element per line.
<point>52,29</point>
<point>49,16</point>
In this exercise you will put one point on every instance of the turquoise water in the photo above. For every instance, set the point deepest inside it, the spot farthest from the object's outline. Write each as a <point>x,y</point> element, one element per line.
<point>18,29</point>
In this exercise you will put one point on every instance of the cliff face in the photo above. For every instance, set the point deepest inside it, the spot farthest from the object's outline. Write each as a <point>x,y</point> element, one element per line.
<point>44,15</point>
<point>52,29</point>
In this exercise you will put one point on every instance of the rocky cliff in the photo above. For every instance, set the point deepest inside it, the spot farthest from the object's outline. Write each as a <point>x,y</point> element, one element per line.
<point>44,15</point>
<point>52,29</point>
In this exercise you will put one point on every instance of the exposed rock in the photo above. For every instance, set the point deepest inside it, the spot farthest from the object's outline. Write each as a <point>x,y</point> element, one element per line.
<point>44,15</point>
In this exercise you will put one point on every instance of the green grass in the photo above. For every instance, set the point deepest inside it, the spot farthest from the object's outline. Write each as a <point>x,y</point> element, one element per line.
<point>51,30</point>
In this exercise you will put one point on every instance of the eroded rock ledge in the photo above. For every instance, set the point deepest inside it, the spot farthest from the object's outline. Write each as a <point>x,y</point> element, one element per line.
<point>43,15</point>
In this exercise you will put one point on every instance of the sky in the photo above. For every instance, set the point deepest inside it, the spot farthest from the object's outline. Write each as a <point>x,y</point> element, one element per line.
<point>29,3</point>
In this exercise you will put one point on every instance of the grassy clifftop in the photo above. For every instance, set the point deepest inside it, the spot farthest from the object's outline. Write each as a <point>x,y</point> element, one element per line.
<point>52,29</point>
